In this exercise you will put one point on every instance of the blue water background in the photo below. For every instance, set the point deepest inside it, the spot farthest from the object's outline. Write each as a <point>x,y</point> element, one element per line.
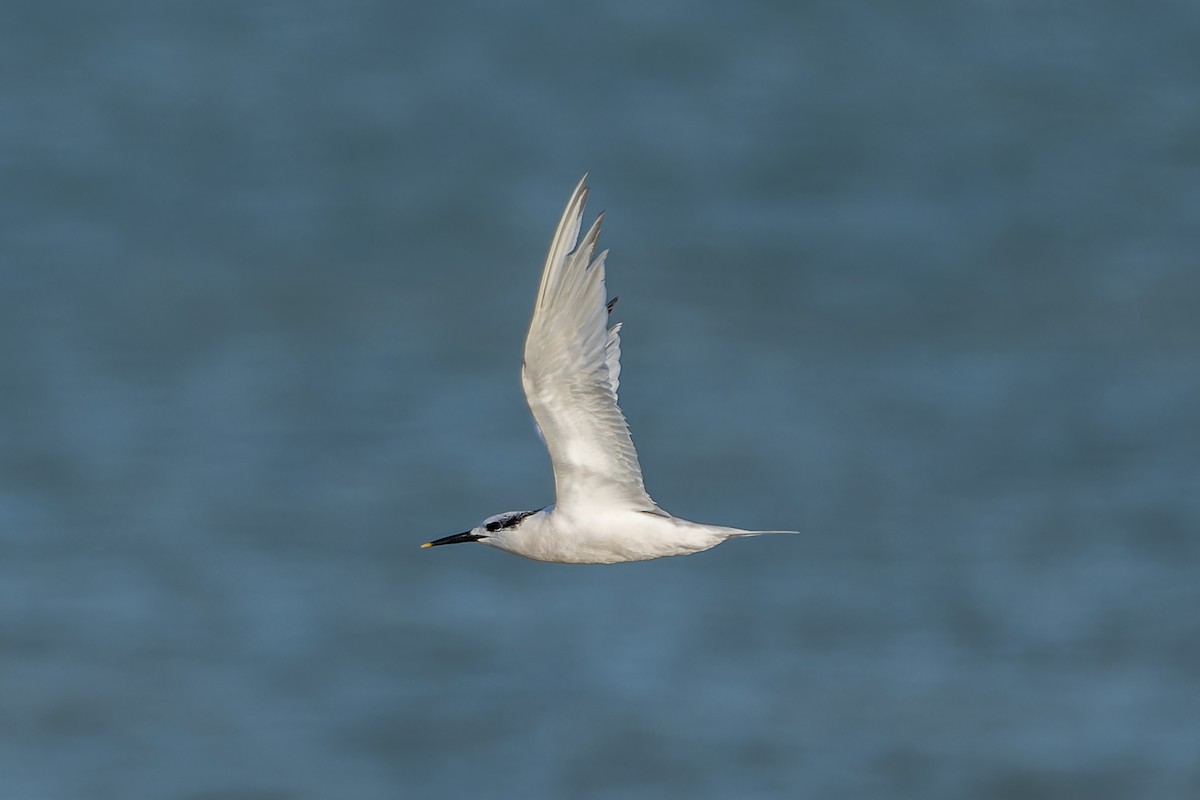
<point>921,280</point>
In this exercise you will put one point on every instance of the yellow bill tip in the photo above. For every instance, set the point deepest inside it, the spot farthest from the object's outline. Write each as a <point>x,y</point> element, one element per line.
<point>427,544</point>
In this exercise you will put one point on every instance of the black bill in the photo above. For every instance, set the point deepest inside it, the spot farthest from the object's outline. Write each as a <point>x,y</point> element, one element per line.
<point>457,538</point>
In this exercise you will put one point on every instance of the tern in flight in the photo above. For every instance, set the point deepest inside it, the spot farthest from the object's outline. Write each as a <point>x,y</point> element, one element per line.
<point>601,512</point>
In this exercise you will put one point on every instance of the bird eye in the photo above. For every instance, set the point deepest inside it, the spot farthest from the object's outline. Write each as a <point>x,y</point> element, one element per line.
<point>493,526</point>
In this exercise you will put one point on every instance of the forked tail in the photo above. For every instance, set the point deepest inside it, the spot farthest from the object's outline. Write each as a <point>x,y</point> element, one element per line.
<point>734,533</point>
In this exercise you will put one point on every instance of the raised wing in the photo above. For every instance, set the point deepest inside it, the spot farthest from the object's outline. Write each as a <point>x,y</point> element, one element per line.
<point>571,371</point>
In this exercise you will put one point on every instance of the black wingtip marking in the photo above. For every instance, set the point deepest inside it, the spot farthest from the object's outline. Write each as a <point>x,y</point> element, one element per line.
<point>612,303</point>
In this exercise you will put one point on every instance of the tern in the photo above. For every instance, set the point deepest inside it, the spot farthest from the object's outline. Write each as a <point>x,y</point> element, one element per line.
<point>601,512</point>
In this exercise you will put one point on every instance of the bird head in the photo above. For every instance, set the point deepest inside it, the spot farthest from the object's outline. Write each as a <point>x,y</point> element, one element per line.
<point>493,528</point>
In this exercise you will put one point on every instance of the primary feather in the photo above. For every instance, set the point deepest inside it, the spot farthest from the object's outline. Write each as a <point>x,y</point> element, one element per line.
<point>571,373</point>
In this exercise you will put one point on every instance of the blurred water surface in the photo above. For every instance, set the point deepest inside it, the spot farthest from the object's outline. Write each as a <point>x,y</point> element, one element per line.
<point>920,280</point>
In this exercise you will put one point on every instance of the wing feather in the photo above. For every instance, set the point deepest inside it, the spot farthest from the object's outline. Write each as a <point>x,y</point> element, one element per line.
<point>571,373</point>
